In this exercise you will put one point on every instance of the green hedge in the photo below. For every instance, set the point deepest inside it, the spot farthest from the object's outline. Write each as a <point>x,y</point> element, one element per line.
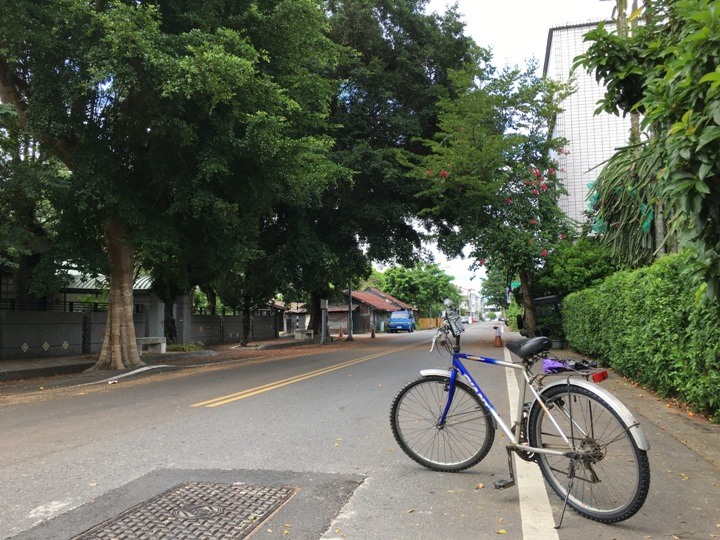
<point>648,325</point>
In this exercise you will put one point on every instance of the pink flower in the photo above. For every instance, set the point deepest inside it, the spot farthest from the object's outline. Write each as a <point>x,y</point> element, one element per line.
<point>536,192</point>
<point>544,253</point>
<point>533,221</point>
<point>527,182</point>
<point>543,187</point>
<point>563,236</point>
<point>551,171</point>
<point>481,262</point>
<point>444,174</point>
<point>429,172</point>
<point>508,200</point>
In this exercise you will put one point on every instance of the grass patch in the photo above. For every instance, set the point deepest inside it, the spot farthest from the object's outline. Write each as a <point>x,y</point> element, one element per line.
<point>186,347</point>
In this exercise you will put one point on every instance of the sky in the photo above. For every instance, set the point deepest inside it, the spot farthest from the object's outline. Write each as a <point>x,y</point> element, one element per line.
<point>516,31</point>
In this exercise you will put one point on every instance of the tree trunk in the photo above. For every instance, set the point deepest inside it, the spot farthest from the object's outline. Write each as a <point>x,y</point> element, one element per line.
<point>211,299</point>
<point>246,308</point>
<point>169,326</point>
<point>119,350</point>
<point>528,304</point>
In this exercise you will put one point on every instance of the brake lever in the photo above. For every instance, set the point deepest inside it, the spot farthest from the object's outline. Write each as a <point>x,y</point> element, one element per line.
<point>432,347</point>
<point>434,341</point>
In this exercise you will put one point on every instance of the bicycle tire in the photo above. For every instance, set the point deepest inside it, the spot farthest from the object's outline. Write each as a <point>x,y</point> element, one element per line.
<point>612,481</point>
<point>462,442</point>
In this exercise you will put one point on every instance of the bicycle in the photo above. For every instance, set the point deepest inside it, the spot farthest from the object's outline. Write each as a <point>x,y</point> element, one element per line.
<point>589,447</point>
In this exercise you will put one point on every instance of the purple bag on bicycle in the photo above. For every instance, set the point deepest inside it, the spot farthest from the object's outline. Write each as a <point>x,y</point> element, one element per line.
<point>551,365</point>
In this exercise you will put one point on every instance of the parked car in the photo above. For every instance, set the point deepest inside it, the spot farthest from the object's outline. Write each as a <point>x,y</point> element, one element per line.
<point>401,320</point>
<point>465,319</point>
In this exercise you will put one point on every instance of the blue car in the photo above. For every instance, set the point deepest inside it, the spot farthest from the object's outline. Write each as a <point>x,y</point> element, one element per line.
<point>402,320</point>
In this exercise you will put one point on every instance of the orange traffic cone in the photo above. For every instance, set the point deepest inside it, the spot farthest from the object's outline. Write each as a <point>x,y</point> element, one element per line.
<point>372,332</point>
<point>340,335</point>
<point>498,336</point>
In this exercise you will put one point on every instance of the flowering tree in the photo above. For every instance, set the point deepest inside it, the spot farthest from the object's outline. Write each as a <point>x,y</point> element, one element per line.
<point>528,224</point>
<point>491,178</point>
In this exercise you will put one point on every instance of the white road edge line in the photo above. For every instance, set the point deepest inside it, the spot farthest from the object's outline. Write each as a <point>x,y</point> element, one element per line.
<point>535,511</point>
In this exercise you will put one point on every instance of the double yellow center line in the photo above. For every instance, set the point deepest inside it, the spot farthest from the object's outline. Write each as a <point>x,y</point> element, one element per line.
<point>224,400</point>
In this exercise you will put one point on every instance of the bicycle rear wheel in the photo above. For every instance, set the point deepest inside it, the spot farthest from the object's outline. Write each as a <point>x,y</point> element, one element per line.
<point>612,478</point>
<point>461,442</point>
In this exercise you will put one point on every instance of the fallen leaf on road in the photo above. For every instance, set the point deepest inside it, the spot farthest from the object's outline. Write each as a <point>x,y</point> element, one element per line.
<point>480,486</point>
<point>410,511</point>
<point>502,531</point>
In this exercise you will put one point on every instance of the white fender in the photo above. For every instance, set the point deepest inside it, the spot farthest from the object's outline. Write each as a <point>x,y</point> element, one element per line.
<point>622,411</point>
<point>441,373</point>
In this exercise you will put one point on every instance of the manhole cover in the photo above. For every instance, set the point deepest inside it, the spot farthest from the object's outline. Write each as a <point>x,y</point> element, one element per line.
<point>196,510</point>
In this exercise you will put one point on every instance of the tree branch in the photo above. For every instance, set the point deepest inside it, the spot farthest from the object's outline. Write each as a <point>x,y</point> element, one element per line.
<point>10,91</point>
<point>11,94</point>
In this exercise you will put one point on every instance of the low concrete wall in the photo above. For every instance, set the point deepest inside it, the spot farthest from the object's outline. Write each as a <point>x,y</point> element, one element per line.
<point>232,328</point>
<point>39,334</point>
<point>207,328</point>
<point>263,327</point>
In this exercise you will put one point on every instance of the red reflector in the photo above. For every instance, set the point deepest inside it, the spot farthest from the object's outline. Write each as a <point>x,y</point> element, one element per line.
<point>600,376</point>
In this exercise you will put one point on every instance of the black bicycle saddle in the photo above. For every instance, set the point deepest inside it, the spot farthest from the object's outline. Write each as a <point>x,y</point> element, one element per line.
<point>524,348</point>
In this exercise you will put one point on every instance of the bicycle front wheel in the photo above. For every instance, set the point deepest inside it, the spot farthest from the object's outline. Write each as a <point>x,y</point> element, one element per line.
<point>611,475</point>
<point>461,442</point>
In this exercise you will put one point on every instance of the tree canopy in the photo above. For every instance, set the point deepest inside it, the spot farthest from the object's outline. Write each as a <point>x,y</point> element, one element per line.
<point>425,286</point>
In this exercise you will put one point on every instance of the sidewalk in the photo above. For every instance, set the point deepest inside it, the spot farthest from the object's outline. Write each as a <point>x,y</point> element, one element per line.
<point>41,368</point>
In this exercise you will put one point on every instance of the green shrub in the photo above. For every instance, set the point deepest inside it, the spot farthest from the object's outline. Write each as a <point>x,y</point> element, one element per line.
<point>648,325</point>
<point>186,347</point>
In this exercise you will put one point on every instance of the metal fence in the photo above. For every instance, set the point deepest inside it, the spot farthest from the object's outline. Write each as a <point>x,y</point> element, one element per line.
<point>60,306</point>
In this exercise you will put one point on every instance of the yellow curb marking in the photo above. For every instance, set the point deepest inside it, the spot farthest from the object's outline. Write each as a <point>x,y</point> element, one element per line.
<point>224,400</point>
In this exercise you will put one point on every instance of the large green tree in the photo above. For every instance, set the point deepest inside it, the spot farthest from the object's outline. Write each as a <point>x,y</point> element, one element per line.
<point>425,286</point>
<point>395,72</point>
<point>171,117</point>
<point>492,174</point>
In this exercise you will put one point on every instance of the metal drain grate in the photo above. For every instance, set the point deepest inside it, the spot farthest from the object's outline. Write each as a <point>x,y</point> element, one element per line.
<point>195,511</point>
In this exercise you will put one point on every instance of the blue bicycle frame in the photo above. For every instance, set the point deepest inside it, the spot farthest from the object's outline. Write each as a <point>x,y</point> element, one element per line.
<point>457,366</point>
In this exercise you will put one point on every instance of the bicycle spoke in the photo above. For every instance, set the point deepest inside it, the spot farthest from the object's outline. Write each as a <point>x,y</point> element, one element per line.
<point>611,475</point>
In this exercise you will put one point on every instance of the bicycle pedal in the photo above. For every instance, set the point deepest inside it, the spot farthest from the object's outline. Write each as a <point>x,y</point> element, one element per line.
<point>504,484</point>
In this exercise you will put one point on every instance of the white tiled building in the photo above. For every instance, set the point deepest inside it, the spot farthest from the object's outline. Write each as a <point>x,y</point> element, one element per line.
<point>591,139</point>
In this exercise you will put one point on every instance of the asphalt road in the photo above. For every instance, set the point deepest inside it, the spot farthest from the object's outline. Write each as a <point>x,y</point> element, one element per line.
<point>318,425</point>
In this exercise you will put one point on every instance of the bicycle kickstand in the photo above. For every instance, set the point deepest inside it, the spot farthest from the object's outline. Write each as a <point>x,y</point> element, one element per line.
<point>504,484</point>
<point>571,481</point>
